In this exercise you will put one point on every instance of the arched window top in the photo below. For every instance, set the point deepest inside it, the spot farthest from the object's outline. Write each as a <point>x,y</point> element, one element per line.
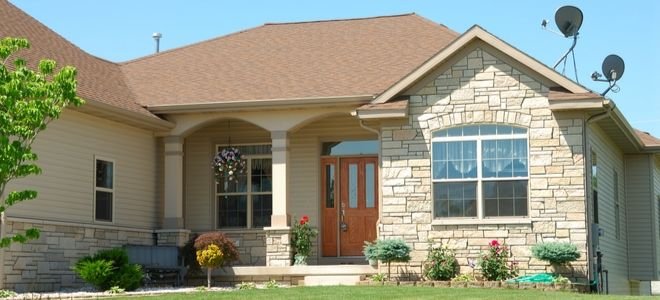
<point>479,130</point>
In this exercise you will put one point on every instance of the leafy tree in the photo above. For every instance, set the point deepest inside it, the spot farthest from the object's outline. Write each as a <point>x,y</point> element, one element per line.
<point>29,100</point>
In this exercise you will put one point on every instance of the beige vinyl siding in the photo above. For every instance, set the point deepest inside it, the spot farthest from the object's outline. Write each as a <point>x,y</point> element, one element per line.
<point>615,251</point>
<point>656,224</point>
<point>67,151</point>
<point>640,209</point>
<point>304,155</point>
<point>199,184</point>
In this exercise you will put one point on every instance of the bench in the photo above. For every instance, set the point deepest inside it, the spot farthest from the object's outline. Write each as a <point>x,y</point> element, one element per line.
<point>158,260</point>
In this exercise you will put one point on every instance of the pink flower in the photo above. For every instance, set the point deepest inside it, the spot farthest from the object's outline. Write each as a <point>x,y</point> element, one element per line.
<point>494,243</point>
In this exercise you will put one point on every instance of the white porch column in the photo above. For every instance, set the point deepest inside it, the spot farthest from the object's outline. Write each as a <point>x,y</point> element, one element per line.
<point>280,217</point>
<point>278,235</point>
<point>173,209</point>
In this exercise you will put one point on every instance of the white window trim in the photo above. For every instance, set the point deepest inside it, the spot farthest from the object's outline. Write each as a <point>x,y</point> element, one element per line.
<point>480,218</point>
<point>248,193</point>
<point>113,190</point>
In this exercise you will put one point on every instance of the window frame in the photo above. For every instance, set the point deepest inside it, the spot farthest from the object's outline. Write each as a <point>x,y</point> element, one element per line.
<point>480,217</point>
<point>248,193</point>
<point>112,191</point>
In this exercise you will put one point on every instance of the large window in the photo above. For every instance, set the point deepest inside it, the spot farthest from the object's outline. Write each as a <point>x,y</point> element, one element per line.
<point>247,202</point>
<point>480,171</point>
<point>104,190</point>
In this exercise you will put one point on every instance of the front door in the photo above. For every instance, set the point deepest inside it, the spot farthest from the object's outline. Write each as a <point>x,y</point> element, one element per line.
<point>350,204</point>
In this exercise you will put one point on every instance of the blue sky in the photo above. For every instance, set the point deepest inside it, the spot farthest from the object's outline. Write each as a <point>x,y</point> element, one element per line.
<point>120,30</point>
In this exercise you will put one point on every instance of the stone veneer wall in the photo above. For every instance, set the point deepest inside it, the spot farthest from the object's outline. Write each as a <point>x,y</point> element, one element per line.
<point>480,88</point>
<point>251,247</point>
<point>45,264</point>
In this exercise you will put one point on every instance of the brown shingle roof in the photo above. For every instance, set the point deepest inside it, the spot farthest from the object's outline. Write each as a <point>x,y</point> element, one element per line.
<point>98,79</point>
<point>559,93</point>
<point>647,139</point>
<point>289,60</point>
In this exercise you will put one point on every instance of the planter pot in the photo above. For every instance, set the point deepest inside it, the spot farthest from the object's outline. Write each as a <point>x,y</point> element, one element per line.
<point>300,260</point>
<point>373,262</point>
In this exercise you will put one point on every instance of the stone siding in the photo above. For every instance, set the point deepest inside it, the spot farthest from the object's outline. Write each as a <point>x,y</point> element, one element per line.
<point>251,247</point>
<point>45,264</point>
<point>482,89</point>
<point>279,251</point>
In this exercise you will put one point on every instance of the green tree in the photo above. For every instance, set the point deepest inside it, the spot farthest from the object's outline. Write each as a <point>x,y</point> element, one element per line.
<point>29,100</point>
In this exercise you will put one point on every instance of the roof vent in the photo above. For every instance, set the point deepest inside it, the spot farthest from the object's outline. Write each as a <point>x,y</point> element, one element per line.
<point>157,36</point>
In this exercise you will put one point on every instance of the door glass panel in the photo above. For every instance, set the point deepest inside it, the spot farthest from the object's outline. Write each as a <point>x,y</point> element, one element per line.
<point>329,186</point>
<point>350,147</point>
<point>370,182</point>
<point>352,185</point>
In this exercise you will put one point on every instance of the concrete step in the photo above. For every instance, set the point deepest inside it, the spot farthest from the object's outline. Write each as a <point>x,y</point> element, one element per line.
<point>316,280</point>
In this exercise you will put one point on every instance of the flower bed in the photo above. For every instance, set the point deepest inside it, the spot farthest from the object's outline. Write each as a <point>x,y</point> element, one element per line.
<point>579,288</point>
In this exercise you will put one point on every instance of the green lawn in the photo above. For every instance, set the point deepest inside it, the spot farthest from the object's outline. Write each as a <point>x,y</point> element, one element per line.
<point>382,292</point>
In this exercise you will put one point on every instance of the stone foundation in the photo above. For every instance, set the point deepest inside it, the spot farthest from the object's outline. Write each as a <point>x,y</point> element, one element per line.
<point>45,264</point>
<point>251,247</point>
<point>173,237</point>
<point>278,247</point>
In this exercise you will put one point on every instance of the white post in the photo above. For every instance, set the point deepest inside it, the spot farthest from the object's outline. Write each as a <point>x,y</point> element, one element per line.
<point>173,209</point>
<point>280,217</point>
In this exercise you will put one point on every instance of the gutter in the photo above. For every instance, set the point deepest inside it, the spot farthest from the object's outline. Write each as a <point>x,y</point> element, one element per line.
<point>258,104</point>
<point>380,174</point>
<point>130,117</point>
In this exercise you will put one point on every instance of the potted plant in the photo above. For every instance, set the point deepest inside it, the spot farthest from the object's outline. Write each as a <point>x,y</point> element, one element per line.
<point>370,252</point>
<point>302,237</point>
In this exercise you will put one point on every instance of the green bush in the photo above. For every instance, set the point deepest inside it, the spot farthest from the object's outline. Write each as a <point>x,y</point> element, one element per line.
<point>464,278</point>
<point>109,268</point>
<point>392,250</point>
<point>556,253</point>
<point>495,264</point>
<point>370,251</point>
<point>441,264</point>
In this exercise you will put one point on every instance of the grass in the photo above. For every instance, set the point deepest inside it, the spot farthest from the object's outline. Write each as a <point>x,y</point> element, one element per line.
<point>382,292</point>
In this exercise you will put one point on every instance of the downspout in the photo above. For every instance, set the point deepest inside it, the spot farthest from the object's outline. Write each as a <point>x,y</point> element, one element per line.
<point>587,181</point>
<point>380,176</point>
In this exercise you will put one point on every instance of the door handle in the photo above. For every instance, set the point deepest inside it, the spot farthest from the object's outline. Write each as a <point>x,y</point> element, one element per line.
<point>342,225</point>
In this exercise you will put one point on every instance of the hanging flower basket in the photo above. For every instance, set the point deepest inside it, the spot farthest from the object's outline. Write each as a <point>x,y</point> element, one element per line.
<point>228,164</point>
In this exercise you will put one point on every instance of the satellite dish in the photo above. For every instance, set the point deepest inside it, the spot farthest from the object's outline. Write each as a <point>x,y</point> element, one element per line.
<point>613,67</point>
<point>569,20</point>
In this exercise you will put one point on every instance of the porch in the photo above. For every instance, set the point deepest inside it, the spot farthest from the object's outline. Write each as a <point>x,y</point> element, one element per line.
<point>287,158</point>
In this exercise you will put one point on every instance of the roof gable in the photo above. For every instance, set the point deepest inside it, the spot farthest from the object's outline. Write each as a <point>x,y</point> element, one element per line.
<point>477,34</point>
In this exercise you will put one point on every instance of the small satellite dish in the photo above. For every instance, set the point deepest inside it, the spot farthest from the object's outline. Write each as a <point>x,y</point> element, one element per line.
<point>613,67</point>
<point>569,20</point>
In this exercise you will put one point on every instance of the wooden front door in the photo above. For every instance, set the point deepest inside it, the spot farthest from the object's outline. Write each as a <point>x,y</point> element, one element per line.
<point>350,204</point>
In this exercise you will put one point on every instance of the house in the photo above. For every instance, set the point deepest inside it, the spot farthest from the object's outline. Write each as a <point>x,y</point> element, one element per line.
<point>382,127</point>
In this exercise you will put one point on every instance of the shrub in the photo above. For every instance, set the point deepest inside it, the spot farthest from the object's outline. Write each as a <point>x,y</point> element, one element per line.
<point>227,246</point>
<point>495,263</point>
<point>392,250</point>
<point>380,277</point>
<point>109,268</point>
<point>247,286</point>
<point>214,249</point>
<point>441,264</point>
<point>556,253</point>
<point>464,278</point>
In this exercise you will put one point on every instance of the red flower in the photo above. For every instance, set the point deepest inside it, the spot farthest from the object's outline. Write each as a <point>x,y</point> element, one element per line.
<point>304,220</point>
<point>494,243</point>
